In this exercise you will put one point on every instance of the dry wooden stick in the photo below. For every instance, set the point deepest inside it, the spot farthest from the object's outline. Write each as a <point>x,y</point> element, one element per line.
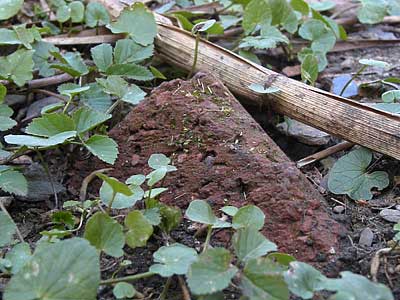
<point>339,116</point>
<point>322,154</point>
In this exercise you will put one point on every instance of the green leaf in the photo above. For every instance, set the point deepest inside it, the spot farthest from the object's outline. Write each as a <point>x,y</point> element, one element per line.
<point>24,35</point>
<point>173,259</point>
<point>62,270</point>
<point>5,122</point>
<point>170,218</point>
<point>374,63</point>
<point>8,37</point>
<point>212,272</point>
<point>13,182</point>
<point>372,11</point>
<point>269,38</point>
<point>71,63</point>
<point>300,6</point>
<point>138,22</point>
<point>9,8</point>
<point>116,185</point>
<point>132,71</point>
<point>320,56</point>
<point>303,280</point>
<point>157,73</point>
<point>114,85</point>
<point>349,176</point>
<point>391,96</point>
<point>158,160</point>
<point>229,210</point>
<point>133,95</point>
<point>284,15</point>
<point>63,218</point>
<point>200,211</point>
<point>63,13</point>
<point>309,69</point>
<point>393,108</point>
<point>323,39</point>
<point>139,229</point>
<point>256,12</point>
<point>41,56</point>
<point>34,141</point>
<point>357,287</point>
<point>8,228</point>
<point>263,279</point>
<point>121,201</point>
<point>102,56</point>
<point>50,125</point>
<point>323,5</point>
<point>203,26</point>
<point>249,243</point>
<point>103,147</point>
<point>18,66</point>
<point>95,98</point>
<point>124,290</point>
<point>136,179</point>
<point>96,15</point>
<point>127,51</point>
<point>156,176</point>
<point>249,215</point>
<point>86,119</point>
<point>154,192</point>
<point>261,89</point>
<point>77,10</point>
<point>106,234</point>
<point>19,255</point>
<point>153,216</point>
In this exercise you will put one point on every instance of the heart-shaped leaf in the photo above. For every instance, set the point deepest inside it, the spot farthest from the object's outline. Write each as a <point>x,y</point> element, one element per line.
<point>249,215</point>
<point>121,201</point>
<point>123,290</point>
<point>102,56</point>
<point>349,176</point>
<point>9,8</point>
<point>139,229</point>
<point>173,259</point>
<point>105,234</point>
<point>61,270</point>
<point>96,15</point>
<point>250,243</point>
<point>211,272</point>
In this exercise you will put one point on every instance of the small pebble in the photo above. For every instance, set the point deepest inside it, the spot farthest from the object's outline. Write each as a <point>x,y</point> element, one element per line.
<point>339,209</point>
<point>390,215</point>
<point>366,238</point>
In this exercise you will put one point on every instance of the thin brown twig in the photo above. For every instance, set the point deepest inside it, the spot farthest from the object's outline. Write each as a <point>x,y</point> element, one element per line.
<point>50,93</point>
<point>87,180</point>
<point>185,291</point>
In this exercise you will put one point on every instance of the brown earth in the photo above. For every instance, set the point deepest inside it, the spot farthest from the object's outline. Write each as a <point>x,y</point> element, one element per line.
<point>224,157</point>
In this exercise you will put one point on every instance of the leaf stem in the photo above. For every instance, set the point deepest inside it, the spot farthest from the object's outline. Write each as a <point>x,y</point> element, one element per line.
<point>352,78</point>
<point>164,292</point>
<point>208,238</point>
<point>67,105</point>
<point>126,278</point>
<point>47,171</point>
<point>111,203</point>
<point>113,106</point>
<point>196,54</point>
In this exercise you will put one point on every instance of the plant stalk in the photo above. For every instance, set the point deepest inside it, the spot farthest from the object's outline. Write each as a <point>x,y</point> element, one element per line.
<point>126,278</point>
<point>196,54</point>
<point>111,203</point>
<point>208,238</point>
<point>352,78</point>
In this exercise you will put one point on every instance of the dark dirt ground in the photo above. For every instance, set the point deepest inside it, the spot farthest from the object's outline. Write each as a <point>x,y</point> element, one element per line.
<point>34,217</point>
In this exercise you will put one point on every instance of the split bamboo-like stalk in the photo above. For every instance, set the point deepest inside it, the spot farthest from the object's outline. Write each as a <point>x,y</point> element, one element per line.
<point>347,119</point>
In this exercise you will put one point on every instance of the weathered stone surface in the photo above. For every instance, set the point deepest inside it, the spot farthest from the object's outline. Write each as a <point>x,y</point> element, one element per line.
<point>225,157</point>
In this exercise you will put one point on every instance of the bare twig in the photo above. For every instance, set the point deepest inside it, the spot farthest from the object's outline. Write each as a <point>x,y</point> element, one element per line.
<point>87,180</point>
<point>185,291</point>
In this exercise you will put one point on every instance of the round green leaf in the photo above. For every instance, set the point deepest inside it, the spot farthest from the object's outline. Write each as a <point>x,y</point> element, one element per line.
<point>138,22</point>
<point>391,96</point>
<point>158,160</point>
<point>139,229</point>
<point>68,269</point>
<point>96,14</point>
<point>136,179</point>
<point>124,290</point>
<point>200,211</point>
<point>374,63</point>
<point>303,280</point>
<point>77,11</point>
<point>19,255</point>
<point>63,14</point>
<point>173,259</point>
<point>229,210</point>
<point>212,272</point>
<point>156,176</point>
<point>349,176</point>
<point>9,8</point>
<point>105,234</point>
<point>322,6</point>
<point>249,215</point>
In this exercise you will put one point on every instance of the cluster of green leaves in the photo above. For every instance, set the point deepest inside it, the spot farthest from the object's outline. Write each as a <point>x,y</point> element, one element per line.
<point>373,11</point>
<point>80,118</point>
<point>258,270</point>
<point>265,20</point>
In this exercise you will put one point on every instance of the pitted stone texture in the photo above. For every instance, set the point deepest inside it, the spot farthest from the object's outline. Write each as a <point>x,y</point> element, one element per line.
<point>224,157</point>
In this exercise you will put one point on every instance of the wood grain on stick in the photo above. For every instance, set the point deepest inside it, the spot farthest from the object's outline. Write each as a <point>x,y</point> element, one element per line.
<point>347,119</point>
